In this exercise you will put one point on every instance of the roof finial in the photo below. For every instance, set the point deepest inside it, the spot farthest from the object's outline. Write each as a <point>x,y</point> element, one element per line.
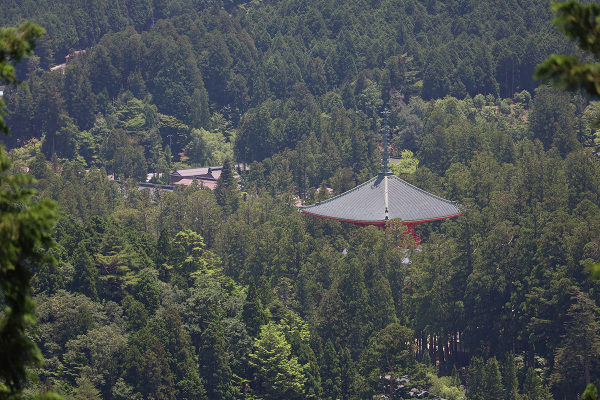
<point>385,132</point>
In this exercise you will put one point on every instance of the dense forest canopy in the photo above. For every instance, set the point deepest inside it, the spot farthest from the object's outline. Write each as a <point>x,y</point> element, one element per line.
<point>231,293</point>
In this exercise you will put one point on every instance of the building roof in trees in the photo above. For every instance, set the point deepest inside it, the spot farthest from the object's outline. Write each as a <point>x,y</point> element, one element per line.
<point>205,176</point>
<point>74,54</point>
<point>383,198</point>
<point>212,172</point>
<point>59,67</point>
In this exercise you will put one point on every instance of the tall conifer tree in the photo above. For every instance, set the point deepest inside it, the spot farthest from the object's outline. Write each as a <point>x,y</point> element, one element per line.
<point>227,191</point>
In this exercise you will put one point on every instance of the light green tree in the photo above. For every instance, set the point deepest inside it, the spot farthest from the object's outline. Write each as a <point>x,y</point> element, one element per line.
<point>278,375</point>
<point>407,164</point>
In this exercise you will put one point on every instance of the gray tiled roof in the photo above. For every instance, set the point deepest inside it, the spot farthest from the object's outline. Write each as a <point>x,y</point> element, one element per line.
<point>367,202</point>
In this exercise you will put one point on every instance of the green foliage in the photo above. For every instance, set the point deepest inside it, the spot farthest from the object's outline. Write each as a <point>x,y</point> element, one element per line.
<point>25,229</point>
<point>445,388</point>
<point>390,350</point>
<point>227,192</point>
<point>590,393</point>
<point>580,345</point>
<point>551,120</point>
<point>278,374</point>
<point>475,379</point>
<point>253,313</point>
<point>533,388</point>
<point>509,378</point>
<point>579,22</point>
<point>492,380</point>
<point>15,44</point>
<point>330,372</point>
<point>208,148</point>
<point>407,165</point>
<point>295,90</point>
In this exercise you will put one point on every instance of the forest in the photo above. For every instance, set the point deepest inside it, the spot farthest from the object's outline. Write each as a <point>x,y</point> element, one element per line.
<point>232,293</point>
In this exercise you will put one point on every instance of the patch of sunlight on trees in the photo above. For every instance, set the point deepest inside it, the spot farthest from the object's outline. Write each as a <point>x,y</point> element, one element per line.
<point>407,164</point>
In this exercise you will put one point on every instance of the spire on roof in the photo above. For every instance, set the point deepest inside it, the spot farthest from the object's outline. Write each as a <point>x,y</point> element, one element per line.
<point>385,132</point>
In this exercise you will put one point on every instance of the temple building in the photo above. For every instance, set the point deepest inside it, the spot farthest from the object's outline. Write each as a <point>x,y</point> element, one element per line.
<point>382,199</point>
<point>203,176</point>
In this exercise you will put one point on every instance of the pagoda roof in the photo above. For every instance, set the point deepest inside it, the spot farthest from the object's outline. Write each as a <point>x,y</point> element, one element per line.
<point>383,198</point>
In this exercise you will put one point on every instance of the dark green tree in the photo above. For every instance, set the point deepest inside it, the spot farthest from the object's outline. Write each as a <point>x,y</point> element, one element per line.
<point>25,229</point>
<point>330,372</point>
<point>350,379</point>
<point>182,361</point>
<point>492,380</point>
<point>575,359</point>
<point>253,312</point>
<point>147,366</point>
<point>86,273</point>
<point>552,120</point>
<point>80,100</point>
<point>199,112</point>
<point>214,364</point>
<point>509,378</point>
<point>475,380</point>
<point>533,388</point>
<point>227,191</point>
<point>580,23</point>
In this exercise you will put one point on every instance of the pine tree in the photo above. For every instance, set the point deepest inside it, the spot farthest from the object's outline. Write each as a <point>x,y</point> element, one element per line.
<point>253,312</point>
<point>492,380</point>
<point>533,389</point>
<point>475,380</point>
<point>214,364</point>
<point>81,101</point>
<point>227,191</point>
<point>590,393</point>
<point>310,367</point>
<point>86,273</point>
<point>509,378</point>
<point>278,375</point>
<point>164,253</point>
<point>356,298</point>
<point>181,358</point>
<point>426,357</point>
<point>264,290</point>
<point>348,375</point>
<point>580,346</point>
<point>147,366</point>
<point>455,377</point>
<point>199,113</point>
<point>330,372</point>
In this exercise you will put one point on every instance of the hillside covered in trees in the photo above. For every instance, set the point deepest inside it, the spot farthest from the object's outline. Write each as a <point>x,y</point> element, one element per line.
<point>231,293</point>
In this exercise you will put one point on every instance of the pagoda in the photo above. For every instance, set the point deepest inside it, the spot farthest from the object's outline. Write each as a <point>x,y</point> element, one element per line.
<point>383,199</point>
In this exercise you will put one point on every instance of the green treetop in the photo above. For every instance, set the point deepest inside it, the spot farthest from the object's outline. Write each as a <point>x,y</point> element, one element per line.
<point>278,375</point>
